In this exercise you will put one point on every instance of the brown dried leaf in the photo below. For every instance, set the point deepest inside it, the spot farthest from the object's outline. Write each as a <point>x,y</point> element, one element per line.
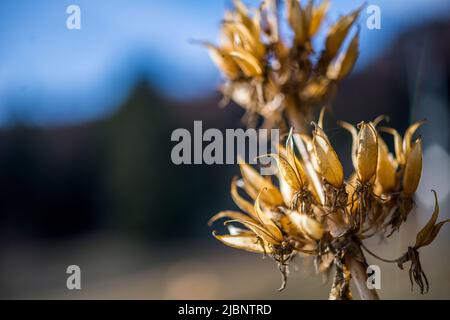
<point>431,229</point>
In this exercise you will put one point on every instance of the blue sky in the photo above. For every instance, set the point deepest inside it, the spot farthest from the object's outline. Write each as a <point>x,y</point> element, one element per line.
<point>52,75</point>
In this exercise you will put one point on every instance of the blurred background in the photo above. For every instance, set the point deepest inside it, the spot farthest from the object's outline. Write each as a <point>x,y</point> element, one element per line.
<point>85,171</point>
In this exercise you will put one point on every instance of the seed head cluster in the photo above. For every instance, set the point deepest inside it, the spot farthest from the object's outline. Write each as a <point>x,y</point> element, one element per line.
<point>312,209</point>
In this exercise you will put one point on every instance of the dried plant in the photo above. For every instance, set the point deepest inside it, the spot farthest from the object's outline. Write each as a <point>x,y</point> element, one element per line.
<point>282,78</point>
<point>313,210</point>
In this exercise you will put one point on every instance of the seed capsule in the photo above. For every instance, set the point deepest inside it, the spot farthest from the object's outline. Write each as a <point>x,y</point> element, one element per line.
<point>338,32</point>
<point>367,152</point>
<point>306,225</point>
<point>297,21</point>
<point>266,221</point>
<point>386,178</point>
<point>317,17</point>
<point>254,183</point>
<point>349,58</point>
<point>413,169</point>
<point>249,65</point>
<point>328,164</point>
<point>245,242</point>
<point>223,61</point>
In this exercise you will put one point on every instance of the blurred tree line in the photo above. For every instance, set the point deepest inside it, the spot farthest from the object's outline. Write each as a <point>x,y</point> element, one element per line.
<point>116,173</point>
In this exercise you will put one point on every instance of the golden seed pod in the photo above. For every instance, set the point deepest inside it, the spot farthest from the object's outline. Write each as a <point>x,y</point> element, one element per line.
<point>254,183</point>
<point>318,15</point>
<point>247,242</point>
<point>294,161</point>
<point>398,144</point>
<point>408,136</point>
<point>242,14</point>
<point>306,225</point>
<point>266,221</point>
<point>243,204</point>
<point>351,128</point>
<point>247,40</point>
<point>413,169</point>
<point>260,231</point>
<point>249,65</point>
<point>350,57</point>
<point>286,191</point>
<point>338,32</point>
<point>223,61</point>
<point>287,172</point>
<point>327,161</point>
<point>386,177</point>
<point>297,21</point>
<point>367,152</point>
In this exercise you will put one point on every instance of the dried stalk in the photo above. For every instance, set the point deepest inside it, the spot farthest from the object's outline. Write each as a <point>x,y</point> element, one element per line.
<point>359,276</point>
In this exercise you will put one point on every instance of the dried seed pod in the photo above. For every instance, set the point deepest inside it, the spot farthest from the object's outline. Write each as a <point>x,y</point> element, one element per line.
<point>294,161</point>
<point>344,64</point>
<point>250,243</point>
<point>386,177</point>
<point>223,61</point>
<point>328,164</point>
<point>266,221</point>
<point>354,132</point>
<point>254,183</point>
<point>318,15</point>
<point>338,32</point>
<point>260,231</point>
<point>249,65</point>
<point>287,172</point>
<point>242,14</point>
<point>247,40</point>
<point>306,225</point>
<point>286,191</point>
<point>243,204</point>
<point>297,21</point>
<point>398,144</point>
<point>367,152</point>
<point>408,136</point>
<point>413,169</point>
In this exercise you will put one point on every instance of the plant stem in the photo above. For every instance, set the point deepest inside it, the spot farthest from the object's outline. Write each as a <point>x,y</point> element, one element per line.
<point>357,269</point>
<point>359,276</point>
